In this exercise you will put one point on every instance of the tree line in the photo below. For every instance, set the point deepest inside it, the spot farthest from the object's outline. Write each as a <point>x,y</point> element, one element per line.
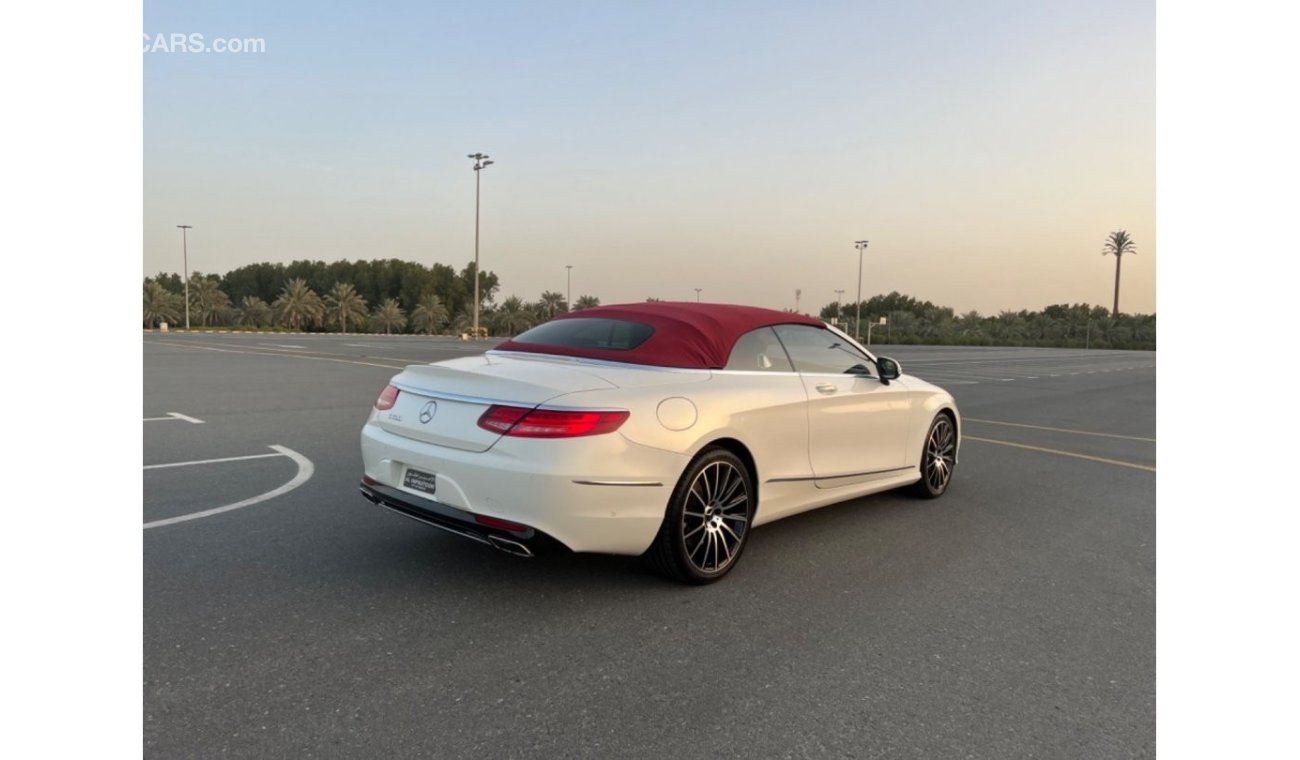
<point>388,296</point>
<point>394,296</point>
<point>1061,325</point>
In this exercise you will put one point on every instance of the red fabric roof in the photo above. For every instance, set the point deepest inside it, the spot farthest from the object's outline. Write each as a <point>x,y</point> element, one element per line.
<point>686,334</point>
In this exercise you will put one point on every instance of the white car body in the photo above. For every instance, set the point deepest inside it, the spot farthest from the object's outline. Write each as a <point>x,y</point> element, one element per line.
<point>812,439</point>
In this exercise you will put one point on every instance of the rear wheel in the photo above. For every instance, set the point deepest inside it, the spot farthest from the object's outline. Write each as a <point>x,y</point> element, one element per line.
<point>708,519</point>
<point>938,458</point>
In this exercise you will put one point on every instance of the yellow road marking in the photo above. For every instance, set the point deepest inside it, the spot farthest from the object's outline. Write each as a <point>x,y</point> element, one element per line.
<point>281,355</point>
<point>1103,460</point>
<point>1059,430</point>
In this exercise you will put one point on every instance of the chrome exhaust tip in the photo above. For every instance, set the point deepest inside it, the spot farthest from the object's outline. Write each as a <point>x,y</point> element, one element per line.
<point>510,547</point>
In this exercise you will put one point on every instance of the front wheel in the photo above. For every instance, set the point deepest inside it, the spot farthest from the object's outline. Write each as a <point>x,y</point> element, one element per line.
<point>938,458</point>
<point>708,519</point>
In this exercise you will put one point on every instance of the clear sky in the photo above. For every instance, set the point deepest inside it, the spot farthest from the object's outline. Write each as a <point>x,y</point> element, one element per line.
<point>985,149</point>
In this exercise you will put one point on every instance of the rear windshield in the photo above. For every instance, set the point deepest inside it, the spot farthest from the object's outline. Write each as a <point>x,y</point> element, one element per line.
<point>583,332</point>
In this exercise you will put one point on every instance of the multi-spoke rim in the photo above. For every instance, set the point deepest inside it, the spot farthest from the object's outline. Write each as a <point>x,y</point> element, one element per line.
<point>940,455</point>
<point>716,517</point>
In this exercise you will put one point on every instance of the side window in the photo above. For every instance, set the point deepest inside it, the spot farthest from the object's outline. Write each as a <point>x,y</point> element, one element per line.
<point>814,349</point>
<point>759,351</point>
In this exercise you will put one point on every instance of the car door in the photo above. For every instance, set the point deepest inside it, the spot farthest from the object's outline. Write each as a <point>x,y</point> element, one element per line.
<point>857,425</point>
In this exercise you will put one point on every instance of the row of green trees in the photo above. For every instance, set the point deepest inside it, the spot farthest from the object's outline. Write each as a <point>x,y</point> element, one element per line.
<point>393,296</point>
<point>908,320</point>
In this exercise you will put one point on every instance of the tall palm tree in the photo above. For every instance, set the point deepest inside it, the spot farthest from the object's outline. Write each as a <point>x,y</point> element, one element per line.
<point>389,315</point>
<point>160,304</point>
<point>430,314</point>
<point>298,305</point>
<point>253,312</point>
<point>585,302</point>
<point>208,301</point>
<point>342,303</point>
<point>1118,243</point>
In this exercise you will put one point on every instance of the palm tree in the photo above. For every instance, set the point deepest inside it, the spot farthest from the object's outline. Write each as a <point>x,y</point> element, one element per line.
<point>511,316</point>
<point>208,300</point>
<point>585,302</point>
<point>343,302</point>
<point>298,305</point>
<point>429,314</point>
<point>160,304</point>
<point>389,316</point>
<point>253,312</point>
<point>551,301</point>
<point>1118,243</point>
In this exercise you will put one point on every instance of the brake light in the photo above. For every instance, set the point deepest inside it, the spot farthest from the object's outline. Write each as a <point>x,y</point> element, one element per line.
<point>522,422</point>
<point>387,398</point>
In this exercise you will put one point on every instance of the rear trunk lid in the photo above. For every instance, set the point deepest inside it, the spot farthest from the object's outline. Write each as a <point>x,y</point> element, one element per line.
<point>442,403</point>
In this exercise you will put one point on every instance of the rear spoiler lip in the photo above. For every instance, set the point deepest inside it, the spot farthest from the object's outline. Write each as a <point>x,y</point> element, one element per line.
<point>448,396</point>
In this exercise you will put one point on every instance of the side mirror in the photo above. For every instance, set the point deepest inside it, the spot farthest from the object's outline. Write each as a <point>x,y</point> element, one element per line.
<point>888,368</point>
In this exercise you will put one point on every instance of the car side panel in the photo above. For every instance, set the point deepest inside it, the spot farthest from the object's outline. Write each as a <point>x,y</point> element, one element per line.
<point>766,411</point>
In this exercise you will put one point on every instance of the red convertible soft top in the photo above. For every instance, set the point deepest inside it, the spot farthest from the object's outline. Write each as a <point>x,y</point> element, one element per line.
<point>686,335</point>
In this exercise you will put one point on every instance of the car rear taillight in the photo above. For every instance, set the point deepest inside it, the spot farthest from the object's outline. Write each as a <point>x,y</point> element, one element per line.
<point>522,422</point>
<point>387,398</point>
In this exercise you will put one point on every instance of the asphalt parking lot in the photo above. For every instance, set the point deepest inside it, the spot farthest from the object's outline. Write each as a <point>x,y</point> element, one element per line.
<point>286,616</point>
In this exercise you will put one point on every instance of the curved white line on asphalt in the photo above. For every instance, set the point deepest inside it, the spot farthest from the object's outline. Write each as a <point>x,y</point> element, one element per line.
<point>305,471</point>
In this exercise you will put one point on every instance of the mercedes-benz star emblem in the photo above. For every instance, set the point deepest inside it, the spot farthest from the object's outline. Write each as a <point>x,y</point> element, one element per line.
<point>426,413</point>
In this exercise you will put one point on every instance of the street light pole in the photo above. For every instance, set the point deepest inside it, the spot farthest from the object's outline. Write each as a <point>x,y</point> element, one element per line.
<point>697,294</point>
<point>480,162</point>
<point>839,305</point>
<point>568,290</point>
<point>185,252</point>
<point>861,245</point>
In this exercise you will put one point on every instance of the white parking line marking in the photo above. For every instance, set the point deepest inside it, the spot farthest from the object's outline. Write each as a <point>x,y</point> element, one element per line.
<point>175,416</point>
<point>286,345</point>
<point>209,461</point>
<point>1058,452</point>
<point>268,352</point>
<point>305,471</point>
<point>1058,430</point>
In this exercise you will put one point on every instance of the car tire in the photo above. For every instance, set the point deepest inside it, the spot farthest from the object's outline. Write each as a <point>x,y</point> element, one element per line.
<point>938,458</point>
<point>708,520</point>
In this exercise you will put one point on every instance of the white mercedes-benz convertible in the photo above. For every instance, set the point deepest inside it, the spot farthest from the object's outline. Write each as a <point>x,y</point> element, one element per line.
<point>672,429</point>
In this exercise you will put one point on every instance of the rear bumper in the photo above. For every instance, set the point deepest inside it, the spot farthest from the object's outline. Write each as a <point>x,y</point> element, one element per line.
<point>520,543</point>
<point>592,494</point>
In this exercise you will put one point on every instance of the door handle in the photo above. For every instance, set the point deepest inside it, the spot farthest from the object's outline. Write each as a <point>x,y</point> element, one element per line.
<point>827,388</point>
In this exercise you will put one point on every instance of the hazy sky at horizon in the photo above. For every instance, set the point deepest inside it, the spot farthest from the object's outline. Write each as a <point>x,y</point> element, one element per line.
<point>985,149</point>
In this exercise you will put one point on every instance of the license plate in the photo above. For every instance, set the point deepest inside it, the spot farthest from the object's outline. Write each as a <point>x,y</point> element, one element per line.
<point>420,481</point>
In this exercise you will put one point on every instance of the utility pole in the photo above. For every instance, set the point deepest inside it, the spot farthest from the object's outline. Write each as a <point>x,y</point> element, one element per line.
<point>480,162</point>
<point>861,245</point>
<point>185,252</point>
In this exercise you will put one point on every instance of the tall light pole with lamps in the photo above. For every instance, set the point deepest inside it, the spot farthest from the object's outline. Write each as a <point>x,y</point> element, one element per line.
<point>839,305</point>
<point>697,294</point>
<point>185,253</point>
<point>480,163</point>
<point>861,245</point>
<point>568,289</point>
